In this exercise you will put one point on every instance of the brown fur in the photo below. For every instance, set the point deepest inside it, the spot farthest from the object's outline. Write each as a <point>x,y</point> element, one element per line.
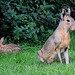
<point>9,47</point>
<point>59,42</point>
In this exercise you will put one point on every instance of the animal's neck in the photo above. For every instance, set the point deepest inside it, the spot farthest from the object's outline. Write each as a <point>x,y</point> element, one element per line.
<point>62,26</point>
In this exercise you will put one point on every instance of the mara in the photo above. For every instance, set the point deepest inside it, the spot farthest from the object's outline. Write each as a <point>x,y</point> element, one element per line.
<point>58,43</point>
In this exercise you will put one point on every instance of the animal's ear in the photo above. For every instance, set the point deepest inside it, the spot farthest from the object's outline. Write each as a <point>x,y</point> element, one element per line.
<point>2,39</point>
<point>69,11</point>
<point>62,14</point>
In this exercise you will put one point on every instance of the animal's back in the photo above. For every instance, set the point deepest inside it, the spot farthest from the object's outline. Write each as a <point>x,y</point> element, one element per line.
<point>53,41</point>
<point>11,48</point>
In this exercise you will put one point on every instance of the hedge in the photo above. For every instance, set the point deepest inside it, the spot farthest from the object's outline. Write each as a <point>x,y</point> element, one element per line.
<point>31,20</point>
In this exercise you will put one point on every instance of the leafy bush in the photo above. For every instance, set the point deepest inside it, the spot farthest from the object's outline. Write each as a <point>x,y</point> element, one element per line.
<point>31,20</point>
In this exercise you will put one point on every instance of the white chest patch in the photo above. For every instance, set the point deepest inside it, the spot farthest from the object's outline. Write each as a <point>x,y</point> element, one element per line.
<point>66,31</point>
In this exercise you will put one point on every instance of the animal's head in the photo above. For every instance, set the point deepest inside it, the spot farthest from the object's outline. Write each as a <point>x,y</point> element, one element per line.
<point>68,21</point>
<point>1,40</point>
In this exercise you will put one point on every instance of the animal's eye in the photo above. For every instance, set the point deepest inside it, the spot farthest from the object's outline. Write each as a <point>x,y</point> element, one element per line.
<point>68,20</point>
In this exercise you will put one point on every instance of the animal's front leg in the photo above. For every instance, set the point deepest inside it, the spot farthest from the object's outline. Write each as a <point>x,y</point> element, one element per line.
<point>66,56</point>
<point>58,52</point>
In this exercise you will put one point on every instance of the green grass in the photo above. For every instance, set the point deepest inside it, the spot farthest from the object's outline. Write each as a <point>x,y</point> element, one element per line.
<point>26,62</point>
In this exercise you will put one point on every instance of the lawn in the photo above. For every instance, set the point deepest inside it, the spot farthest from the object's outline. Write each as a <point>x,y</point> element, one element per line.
<point>26,62</point>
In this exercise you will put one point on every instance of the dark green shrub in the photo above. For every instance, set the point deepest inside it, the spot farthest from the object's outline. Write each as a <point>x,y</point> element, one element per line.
<point>31,20</point>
